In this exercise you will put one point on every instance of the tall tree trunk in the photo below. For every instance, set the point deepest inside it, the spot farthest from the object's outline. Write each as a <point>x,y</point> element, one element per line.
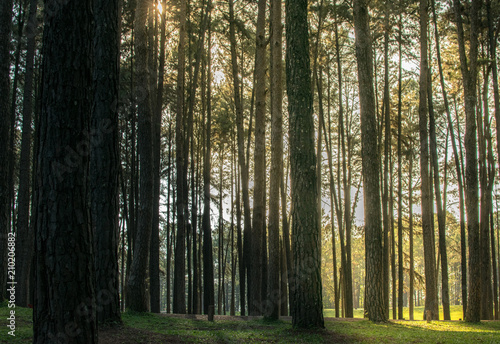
<point>431,302</point>
<point>170,210</point>
<point>457,163</point>
<point>5,32</point>
<point>255,296</point>
<point>208,267</point>
<point>374,303</point>
<point>494,69</point>
<point>12,160</point>
<point>485,206</point>
<point>411,301</point>
<point>276,175</point>
<point>241,150</point>
<point>64,287</point>
<point>137,299</point>
<point>386,111</point>
<point>154,261</point>
<point>469,75</point>
<point>25,241</point>
<point>445,293</point>
<point>400,172</point>
<point>104,157</point>
<point>179,303</point>
<point>307,305</point>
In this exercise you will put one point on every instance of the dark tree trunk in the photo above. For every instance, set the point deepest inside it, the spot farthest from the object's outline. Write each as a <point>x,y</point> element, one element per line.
<point>179,302</point>
<point>485,204</point>
<point>5,32</point>
<point>400,175</point>
<point>387,151</point>
<point>374,303</point>
<point>64,282</point>
<point>431,300</point>
<point>445,292</point>
<point>104,157</point>
<point>411,300</point>
<point>457,163</point>
<point>170,210</point>
<point>25,241</point>
<point>137,296</point>
<point>154,260</point>
<point>496,98</point>
<point>208,263</point>
<point>469,75</point>
<point>241,154</point>
<point>255,296</point>
<point>307,304</point>
<point>274,295</point>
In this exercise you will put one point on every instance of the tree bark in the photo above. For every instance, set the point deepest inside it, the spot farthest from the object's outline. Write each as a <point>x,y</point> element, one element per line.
<point>276,175</point>
<point>431,302</point>
<point>5,32</point>
<point>64,254</point>
<point>445,293</point>
<point>154,261</point>
<point>469,75</point>
<point>104,157</point>
<point>137,297</point>
<point>179,302</point>
<point>24,230</point>
<point>241,153</point>
<point>374,303</point>
<point>255,296</point>
<point>307,305</point>
<point>400,174</point>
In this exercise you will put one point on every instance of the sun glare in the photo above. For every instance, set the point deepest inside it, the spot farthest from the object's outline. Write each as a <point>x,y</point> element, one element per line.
<point>160,7</point>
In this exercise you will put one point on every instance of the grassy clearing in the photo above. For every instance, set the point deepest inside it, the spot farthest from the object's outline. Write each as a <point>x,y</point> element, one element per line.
<point>158,328</point>
<point>418,313</point>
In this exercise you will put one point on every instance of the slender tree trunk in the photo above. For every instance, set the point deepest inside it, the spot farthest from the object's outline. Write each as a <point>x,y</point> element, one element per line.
<point>65,287</point>
<point>485,206</point>
<point>276,175</point>
<point>374,303</point>
<point>255,296</point>
<point>25,241</point>
<point>179,303</point>
<point>445,293</point>
<point>494,68</point>
<point>431,302</point>
<point>400,175</point>
<point>170,230</point>
<point>154,262</point>
<point>386,110</point>
<point>457,163</point>
<point>5,32</point>
<point>208,267</point>
<point>137,288</point>
<point>412,259</point>
<point>469,75</point>
<point>241,150</point>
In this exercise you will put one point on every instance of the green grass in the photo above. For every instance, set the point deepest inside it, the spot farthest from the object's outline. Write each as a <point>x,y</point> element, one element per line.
<point>255,331</point>
<point>443,332</point>
<point>418,313</point>
<point>202,331</point>
<point>24,325</point>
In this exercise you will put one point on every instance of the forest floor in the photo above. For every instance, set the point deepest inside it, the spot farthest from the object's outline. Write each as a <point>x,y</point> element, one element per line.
<point>163,328</point>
